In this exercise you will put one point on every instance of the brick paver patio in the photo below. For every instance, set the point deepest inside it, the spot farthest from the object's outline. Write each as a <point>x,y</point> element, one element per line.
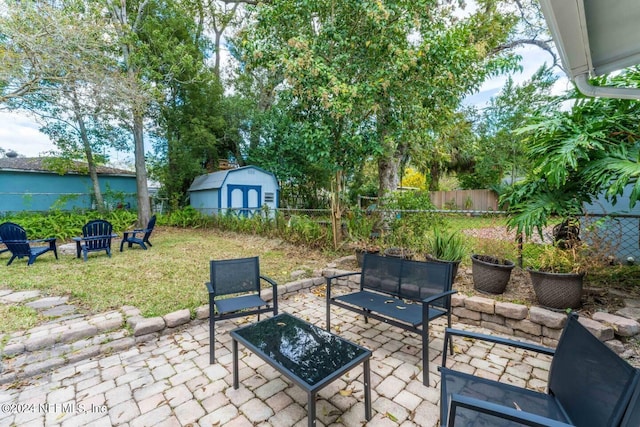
<point>168,381</point>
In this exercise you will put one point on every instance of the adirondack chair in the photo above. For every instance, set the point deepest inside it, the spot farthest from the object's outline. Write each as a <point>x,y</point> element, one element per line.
<point>131,237</point>
<point>234,291</point>
<point>3,250</point>
<point>96,237</point>
<point>15,239</point>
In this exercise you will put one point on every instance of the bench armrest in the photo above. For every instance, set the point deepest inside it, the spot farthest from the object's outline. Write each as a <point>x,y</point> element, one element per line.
<point>337,276</point>
<point>511,414</point>
<point>436,297</point>
<point>449,332</point>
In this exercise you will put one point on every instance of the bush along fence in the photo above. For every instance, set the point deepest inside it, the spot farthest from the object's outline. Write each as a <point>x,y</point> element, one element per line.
<point>614,236</point>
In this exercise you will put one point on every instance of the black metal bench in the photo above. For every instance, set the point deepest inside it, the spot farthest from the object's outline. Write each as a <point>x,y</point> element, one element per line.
<point>588,385</point>
<point>403,293</point>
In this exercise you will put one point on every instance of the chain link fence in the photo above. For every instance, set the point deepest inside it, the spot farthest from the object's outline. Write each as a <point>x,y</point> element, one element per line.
<point>616,237</point>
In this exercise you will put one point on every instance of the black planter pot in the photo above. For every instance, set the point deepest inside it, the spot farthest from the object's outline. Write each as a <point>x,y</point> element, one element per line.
<point>557,291</point>
<point>490,274</point>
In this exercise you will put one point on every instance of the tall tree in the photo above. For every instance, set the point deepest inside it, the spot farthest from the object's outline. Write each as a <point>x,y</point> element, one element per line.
<point>70,94</point>
<point>370,77</point>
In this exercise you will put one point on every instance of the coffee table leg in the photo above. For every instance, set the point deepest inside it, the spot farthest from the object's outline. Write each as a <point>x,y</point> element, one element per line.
<point>234,345</point>
<point>367,390</point>
<point>312,410</point>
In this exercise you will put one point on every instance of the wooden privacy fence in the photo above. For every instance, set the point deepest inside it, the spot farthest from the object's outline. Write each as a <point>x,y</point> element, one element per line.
<point>472,200</point>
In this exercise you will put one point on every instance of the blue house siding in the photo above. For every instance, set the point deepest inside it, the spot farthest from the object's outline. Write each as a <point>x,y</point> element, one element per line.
<point>37,190</point>
<point>620,231</point>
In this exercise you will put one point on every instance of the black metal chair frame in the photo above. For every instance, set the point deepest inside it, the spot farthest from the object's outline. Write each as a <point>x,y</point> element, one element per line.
<point>96,237</point>
<point>588,385</point>
<point>14,237</point>
<point>130,236</point>
<point>237,299</point>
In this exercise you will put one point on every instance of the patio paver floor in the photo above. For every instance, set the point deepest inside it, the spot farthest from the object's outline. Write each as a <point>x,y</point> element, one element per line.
<point>168,381</point>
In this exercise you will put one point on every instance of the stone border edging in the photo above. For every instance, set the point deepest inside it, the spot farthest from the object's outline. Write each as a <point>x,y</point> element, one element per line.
<point>532,323</point>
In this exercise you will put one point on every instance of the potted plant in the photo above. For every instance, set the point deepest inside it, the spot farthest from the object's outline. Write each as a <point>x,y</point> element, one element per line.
<point>399,252</point>
<point>490,274</point>
<point>442,246</point>
<point>558,275</point>
<point>364,246</point>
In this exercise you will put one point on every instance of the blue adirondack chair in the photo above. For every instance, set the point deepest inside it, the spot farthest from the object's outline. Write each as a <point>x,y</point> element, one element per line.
<point>139,236</point>
<point>15,239</point>
<point>96,237</point>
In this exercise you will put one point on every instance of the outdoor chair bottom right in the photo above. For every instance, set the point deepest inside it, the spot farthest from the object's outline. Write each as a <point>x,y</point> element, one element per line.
<point>588,385</point>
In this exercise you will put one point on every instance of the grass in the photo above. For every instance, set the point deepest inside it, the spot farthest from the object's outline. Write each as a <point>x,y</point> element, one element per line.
<point>169,276</point>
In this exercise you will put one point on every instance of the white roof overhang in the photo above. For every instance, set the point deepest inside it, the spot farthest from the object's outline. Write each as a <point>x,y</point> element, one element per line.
<point>595,37</point>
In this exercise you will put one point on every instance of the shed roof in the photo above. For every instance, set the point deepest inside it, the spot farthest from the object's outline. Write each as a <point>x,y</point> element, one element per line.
<point>39,164</point>
<point>215,180</point>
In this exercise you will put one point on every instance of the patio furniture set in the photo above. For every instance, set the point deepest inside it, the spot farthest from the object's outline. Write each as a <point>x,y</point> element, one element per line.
<point>588,385</point>
<point>96,237</point>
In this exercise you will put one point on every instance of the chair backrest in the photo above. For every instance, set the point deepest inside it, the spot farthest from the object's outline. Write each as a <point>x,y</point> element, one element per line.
<point>422,279</point>
<point>97,234</point>
<point>591,381</point>
<point>15,239</point>
<point>233,276</point>
<point>381,273</point>
<point>415,280</point>
<point>149,229</point>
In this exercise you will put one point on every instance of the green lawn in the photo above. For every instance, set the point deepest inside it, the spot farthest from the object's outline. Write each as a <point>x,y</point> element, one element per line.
<point>167,277</point>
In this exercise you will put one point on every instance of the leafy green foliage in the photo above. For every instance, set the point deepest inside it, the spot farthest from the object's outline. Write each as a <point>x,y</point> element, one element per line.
<point>577,155</point>
<point>446,245</point>
<point>65,225</point>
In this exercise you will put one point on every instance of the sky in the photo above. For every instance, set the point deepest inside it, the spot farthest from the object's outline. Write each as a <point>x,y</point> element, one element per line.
<point>19,132</point>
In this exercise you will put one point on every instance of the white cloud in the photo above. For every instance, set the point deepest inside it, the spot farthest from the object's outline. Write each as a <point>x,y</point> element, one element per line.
<point>20,133</point>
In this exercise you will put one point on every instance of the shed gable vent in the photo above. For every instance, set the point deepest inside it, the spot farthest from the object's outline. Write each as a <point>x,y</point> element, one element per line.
<point>269,197</point>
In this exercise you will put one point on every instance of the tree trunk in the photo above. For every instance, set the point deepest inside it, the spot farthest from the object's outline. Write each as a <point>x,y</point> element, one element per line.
<point>388,177</point>
<point>144,206</point>
<point>93,170</point>
<point>434,182</point>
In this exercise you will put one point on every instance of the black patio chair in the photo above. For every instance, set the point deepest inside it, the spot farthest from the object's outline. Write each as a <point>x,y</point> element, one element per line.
<point>96,237</point>
<point>131,237</point>
<point>234,291</point>
<point>588,385</point>
<point>14,238</point>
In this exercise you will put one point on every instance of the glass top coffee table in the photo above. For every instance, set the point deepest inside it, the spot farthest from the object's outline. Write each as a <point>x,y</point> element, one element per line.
<point>306,354</point>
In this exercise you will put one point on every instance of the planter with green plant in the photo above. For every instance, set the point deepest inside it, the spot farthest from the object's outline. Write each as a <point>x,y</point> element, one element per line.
<point>557,276</point>
<point>444,246</point>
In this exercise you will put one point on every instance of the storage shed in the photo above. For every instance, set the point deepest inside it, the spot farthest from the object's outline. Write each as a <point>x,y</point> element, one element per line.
<point>243,191</point>
<point>29,184</point>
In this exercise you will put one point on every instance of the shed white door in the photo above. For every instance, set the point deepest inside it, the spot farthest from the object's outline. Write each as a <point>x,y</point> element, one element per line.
<point>244,199</point>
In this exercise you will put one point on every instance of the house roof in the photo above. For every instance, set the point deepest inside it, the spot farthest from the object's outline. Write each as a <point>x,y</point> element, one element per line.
<point>595,37</point>
<point>38,164</point>
<point>215,180</point>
